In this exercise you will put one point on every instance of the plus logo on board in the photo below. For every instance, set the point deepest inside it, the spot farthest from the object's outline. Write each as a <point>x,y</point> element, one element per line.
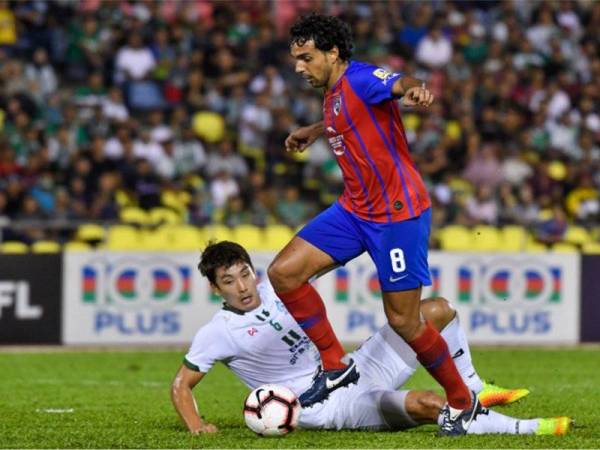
<point>510,297</point>
<point>135,297</point>
<point>507,283</point>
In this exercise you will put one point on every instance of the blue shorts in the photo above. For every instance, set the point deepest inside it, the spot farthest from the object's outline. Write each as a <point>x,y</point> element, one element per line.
<point>398,249</point>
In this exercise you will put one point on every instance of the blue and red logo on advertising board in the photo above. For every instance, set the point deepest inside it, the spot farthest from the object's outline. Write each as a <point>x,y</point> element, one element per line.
<point>134,297</point>
<point>510,297</point>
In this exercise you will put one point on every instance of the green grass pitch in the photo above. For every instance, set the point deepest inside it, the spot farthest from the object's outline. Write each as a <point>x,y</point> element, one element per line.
<point>121,400</point>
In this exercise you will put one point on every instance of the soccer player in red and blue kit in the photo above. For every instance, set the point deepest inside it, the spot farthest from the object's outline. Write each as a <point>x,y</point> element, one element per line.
<point>384,210</point>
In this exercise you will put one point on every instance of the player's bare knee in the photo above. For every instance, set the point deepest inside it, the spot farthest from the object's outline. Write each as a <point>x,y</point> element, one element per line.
<point>281,278</point>
<point>438,311</point>
<point>403,324</point>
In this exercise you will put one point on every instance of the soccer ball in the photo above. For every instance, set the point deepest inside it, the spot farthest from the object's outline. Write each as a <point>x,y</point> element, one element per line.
<point>271,410</point>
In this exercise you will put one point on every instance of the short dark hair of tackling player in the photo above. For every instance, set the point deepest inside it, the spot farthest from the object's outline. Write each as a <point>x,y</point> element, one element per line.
<point>221,254</point>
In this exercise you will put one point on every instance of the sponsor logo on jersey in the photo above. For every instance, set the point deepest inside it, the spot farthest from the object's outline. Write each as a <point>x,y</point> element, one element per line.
<point>384,75</point>
<point>252,331</point>
<point>336,141</point>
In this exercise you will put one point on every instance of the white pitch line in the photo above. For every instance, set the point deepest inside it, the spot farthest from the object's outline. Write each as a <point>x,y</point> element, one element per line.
<point>55,410</point>
<point>144,383</point>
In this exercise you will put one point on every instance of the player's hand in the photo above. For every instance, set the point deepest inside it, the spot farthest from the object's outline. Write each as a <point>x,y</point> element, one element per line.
<point>300,139</point>
<point>418,96</point>
<point>206,427</point>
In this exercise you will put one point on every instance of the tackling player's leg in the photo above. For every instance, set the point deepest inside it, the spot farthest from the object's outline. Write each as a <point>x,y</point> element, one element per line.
<point>423,407</point>
<point>400,410</point>
<point>440,313</point>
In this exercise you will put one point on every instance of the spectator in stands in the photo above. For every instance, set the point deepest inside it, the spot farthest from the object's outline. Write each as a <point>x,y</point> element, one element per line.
<point>482,208</point>
<point>290,210</point>
<point>552,230</point>
<point>223,187</point>
<point>226,159</point>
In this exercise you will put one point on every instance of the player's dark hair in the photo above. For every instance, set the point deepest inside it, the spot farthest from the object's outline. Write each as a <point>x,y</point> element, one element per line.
<point>326,32</point>
<point>221,254</point>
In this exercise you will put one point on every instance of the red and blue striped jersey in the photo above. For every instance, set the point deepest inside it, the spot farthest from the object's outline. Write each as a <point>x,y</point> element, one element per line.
<point>365,132</point>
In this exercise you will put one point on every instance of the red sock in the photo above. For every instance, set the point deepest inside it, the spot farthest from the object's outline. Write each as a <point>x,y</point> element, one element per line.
<point>432,352</point>
<point>307,307</point>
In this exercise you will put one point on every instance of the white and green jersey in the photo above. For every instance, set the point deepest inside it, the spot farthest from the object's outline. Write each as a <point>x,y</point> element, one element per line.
<point>265,345</point>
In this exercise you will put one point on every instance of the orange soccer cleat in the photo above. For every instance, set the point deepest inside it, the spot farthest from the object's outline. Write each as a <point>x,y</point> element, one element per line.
<point>557,426</point>
<point>492,395</point>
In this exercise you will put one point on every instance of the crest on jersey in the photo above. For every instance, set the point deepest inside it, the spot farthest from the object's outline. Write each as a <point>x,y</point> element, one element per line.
<point>337,104</point>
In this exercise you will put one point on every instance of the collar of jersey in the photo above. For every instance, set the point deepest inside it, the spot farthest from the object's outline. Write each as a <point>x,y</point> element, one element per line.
<point>239,312</point>
<point>227,307</point>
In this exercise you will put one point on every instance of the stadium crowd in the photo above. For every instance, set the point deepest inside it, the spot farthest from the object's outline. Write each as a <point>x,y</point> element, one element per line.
<point>110,103</point>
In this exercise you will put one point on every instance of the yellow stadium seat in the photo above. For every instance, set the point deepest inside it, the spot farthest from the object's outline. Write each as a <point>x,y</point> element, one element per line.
<point>486,238</point>
<point>277,237</point>
<point>90,232</point>
<point>534,246</point>
<point>134,215</point>
<point>45,247</point>
<point>591,248</point>
<point>13,247</point>
<point>183,237</point>
<point>564,247</point>
<point>77,246</point>
<point>577,235</point>
<point>155,240</point>
<point>220,233</point>
<point>160,216</point>
<point>123,237</point>
<point>209,126</point>
<point>514,238</point>
<point>455,238</point>
<point>123,198</point>
<point>250,237</point>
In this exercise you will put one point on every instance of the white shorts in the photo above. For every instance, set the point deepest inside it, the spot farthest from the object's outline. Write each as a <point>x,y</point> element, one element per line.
<point>385,362</point>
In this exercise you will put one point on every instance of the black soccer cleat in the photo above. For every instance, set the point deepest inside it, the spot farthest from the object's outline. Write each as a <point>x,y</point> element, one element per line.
<point>458,424</point>
<point>327,381</point>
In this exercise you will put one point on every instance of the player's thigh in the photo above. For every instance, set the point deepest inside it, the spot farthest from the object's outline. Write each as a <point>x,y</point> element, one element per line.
<point>385,359</point>
<point>296,263</point>
<point>379,409</point>
<point>332,233</point>
<point>399,251</point>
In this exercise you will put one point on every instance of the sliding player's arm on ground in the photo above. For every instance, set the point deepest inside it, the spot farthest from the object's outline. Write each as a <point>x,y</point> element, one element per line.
<point>211,343</point>
<point>300,139</point>
<point>185,404</point>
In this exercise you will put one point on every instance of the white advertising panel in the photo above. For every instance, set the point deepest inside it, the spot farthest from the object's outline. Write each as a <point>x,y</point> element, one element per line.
<point>141,297</point>
<point>136,297</point>
<point>501,298</point>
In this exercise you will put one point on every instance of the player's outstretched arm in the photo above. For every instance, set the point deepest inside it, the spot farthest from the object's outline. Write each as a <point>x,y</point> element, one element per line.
<point>412,91</point>
<point>300,139</point>
<point>185,403</point>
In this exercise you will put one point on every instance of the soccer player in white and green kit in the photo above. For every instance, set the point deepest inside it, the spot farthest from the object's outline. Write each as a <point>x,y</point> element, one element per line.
<point>256,338</point>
